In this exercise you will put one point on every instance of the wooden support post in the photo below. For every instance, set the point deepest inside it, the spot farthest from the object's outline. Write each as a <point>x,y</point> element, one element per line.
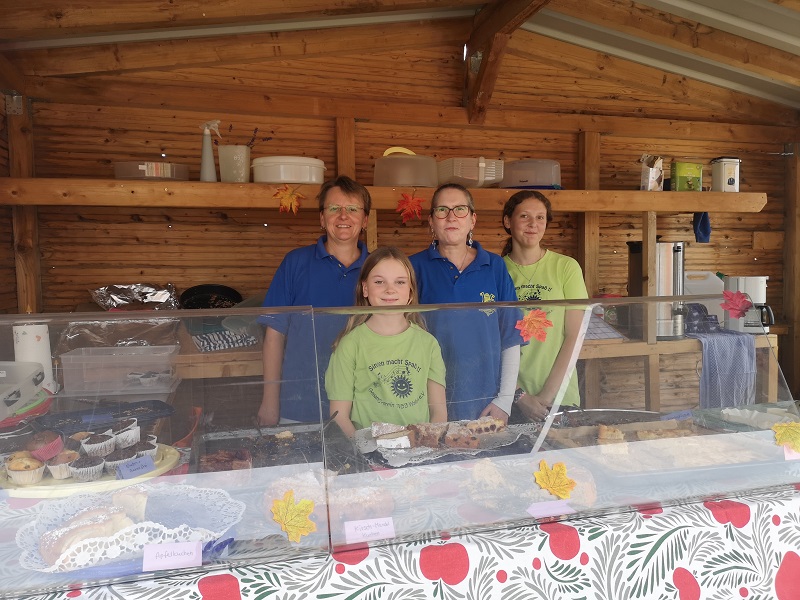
<point>346,146</point>
<point>24,218</point>
<point>652,377</point>
<point>790,350</point>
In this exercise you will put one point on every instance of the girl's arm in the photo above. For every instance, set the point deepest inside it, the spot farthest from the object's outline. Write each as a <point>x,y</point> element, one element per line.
<point>437,402</point>
<point>343,408</point>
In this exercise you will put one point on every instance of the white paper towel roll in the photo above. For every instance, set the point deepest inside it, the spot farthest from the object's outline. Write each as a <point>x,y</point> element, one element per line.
<point>32,344</point>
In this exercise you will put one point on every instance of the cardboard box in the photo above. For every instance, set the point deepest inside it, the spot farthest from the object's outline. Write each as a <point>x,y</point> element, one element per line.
<point>686,177</point>
<point>652,173</point>
<point>19,383</point>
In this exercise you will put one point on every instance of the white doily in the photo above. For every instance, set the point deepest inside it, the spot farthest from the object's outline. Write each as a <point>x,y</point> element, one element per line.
<point>222,513</point>
<point>399,457</point>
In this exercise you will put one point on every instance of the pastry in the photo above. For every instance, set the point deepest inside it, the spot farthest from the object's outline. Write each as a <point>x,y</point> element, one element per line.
<point>609,435</point>
<point>226,460</point>
<point>100,522</point>
<point>145,448</point>
<point>379,429</point>
<point>99,444</point>
<point>459,436</point>
<point>428,434</point>
<point>123,425</point>
<point>118,457</point>
<point>87,468</point>
<point>485,424</point>
<point>81,435</point>
<point>59,464</point>
<point>284,435</point>
<point>133,501</point>
<point>662,434</point>
<point>18,454</point>
<point>45,445</point>
<point>395,440</point>
<point>25,470</point>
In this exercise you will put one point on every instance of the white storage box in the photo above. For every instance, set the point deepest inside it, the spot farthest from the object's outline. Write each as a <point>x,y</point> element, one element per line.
<point>400,167</point>
<point>19,383</point>
<point>470,172</point>
<point>288,169</point>
<point>119,370</point>
<point>532,173</point>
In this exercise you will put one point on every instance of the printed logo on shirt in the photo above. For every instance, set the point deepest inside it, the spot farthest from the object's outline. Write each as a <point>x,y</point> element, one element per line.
<point>532,291</point>
<point>487,297</point>
<point>395,375</point>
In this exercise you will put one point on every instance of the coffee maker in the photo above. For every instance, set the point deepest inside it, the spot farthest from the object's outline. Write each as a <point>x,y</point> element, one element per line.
<point>759,317</point>
<point>670,316</point>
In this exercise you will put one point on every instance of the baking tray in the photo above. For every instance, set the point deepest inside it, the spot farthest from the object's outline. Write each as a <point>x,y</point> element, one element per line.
<point>102,416</point>
<point>305,447</point>
<point>573,417</point>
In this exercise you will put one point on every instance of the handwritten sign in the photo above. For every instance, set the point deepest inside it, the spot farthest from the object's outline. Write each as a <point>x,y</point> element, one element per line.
<point>158,557</point>
<point>554,508</point>
<point>137,466</point>
<point>369,530</point>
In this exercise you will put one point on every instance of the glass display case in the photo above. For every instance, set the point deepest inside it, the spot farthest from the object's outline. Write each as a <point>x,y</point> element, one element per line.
<point>132,445</point>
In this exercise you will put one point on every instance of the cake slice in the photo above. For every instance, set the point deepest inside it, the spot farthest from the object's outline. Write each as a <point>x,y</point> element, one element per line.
<point>429,434</point>
<point>397,439</point>
<point>609,435</point>
<point>459,436</point>
<point>485,424</point>
<point>381,429</point>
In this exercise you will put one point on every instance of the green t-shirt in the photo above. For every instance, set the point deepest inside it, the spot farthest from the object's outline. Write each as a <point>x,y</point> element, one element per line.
<point>385,376</point>
<point>554,277</point>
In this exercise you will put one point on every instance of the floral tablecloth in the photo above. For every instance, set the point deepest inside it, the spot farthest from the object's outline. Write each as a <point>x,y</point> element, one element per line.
<point>747,547</point>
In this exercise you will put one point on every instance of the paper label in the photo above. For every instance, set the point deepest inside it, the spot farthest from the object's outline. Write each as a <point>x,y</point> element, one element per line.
<point>554,508</point>
<point>136,467</point>
<point>790,454</point>
<point>369,530</point>
<point>172,556</point>
<point>680,415</point>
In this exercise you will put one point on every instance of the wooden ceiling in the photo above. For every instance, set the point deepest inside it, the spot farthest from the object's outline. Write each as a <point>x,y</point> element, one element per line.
<point>733,60</point>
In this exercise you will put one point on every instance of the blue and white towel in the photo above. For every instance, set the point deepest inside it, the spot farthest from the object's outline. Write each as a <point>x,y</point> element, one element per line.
<point>728,377</point>
<point>223,340</point>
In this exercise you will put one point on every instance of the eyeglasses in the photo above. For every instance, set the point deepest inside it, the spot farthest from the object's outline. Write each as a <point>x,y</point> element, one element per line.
<point>350,209</point>
<point>442,212</point>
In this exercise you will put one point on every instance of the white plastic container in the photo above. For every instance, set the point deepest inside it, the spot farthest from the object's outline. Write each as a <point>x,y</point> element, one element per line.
<point>532,173</point>
<point>705,283</point>
<point>725,174</point>
<point>19,383</point>
<point>288,169</point>
<point>400,167</point>
<point>470,172</point>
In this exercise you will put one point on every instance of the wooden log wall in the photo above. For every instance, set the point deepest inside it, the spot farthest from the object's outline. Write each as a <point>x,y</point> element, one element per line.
<point>8,289</point>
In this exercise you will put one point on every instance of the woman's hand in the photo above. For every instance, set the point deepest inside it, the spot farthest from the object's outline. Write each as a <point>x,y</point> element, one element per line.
<point>534,407</point>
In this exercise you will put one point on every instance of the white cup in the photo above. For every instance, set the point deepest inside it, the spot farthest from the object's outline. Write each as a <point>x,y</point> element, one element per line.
<point>234,163</point>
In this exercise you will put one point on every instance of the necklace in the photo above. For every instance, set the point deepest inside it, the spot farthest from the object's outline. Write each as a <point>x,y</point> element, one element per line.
<point>463,260</point>
<point>535,269</point>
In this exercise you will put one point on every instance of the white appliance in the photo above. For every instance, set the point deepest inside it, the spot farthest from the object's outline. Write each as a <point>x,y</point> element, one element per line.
<point>759,317</point>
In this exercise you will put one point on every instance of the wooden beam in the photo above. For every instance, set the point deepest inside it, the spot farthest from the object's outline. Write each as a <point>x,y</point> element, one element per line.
<point>790,4</point>
<point>114,92</point>
<point>480,85</point>
<point>24,218</point>
<point>11,79</point>
<point>589,222</point>
<point>501,17</point>
<point>676,32</point>
<point>237,49</point>
<point>52,19</point>
<point>569,57</point>
<point>345,146</point>
<point>790,350</point>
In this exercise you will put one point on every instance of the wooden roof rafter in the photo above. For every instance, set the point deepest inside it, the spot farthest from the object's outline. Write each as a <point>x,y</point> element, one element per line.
<point>494,25</point>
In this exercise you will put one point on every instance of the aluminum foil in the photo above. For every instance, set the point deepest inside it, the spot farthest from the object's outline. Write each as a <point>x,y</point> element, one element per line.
<point>136,296</point>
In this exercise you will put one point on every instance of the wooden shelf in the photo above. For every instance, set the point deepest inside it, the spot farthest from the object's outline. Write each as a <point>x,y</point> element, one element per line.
<point>196,194</point>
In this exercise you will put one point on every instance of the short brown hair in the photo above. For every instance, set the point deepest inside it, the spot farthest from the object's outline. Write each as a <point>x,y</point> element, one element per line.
<point>349,186</point>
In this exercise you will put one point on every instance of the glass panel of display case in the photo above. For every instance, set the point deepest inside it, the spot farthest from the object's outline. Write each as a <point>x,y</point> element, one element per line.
<point>131,446</point>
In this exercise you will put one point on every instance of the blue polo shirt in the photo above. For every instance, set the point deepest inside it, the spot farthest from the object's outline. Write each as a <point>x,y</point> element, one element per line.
<point>309,276</point>
<point>471,339</point>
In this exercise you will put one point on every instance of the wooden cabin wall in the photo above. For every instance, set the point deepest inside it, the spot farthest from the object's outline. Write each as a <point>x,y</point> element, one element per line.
<point>8,289</point>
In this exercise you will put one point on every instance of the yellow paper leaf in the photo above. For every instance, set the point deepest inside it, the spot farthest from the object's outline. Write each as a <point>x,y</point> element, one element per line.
<point>787,433</point>
<point>289,199</point>
<point>293,517</point>
<point>554,480</point>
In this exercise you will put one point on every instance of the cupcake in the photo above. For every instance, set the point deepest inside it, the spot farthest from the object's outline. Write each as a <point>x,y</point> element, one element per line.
<point>25,470</point>
<point>151,438</point>
<point>59,464</point>
<point>127,437</point>
<point>45,445</point>
<point>123,425</point>
<point>98,444</point>
<point>18,454</point>
<point>81,435</point>
<point>145,448</point>
<point>87,468</point>
<point>119,457</point>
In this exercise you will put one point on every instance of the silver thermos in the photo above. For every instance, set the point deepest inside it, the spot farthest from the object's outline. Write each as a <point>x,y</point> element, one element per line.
<point>670,316</point>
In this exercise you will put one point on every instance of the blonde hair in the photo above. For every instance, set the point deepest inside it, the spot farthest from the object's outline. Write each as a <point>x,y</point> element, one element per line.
<point>381,254</point>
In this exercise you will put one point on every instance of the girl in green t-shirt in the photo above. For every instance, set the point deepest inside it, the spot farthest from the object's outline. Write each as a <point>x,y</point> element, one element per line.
<point>385,366</point>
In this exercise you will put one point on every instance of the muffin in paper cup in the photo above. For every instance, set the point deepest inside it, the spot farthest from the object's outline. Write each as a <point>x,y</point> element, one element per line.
<point>151,438</point>
<point>87,468</point>
<point>45,445</point>
<point>128,437</point>
<point>118,457</point>
<point>25,471</point>
<point>146,448</point>
<point>99,444</point>
<point>59,464</point>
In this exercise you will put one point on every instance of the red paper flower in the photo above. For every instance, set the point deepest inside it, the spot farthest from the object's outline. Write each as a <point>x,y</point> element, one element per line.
<point>736,303</point>
<point>535,325</point>
<point>410,207</point>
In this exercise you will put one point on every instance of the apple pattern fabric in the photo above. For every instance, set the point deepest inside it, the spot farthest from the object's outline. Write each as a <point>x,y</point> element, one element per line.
<point>743,547</point>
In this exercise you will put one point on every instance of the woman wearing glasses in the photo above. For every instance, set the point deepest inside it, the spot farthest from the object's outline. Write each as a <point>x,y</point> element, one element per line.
<point>481,348</point>
<point>321,275</point>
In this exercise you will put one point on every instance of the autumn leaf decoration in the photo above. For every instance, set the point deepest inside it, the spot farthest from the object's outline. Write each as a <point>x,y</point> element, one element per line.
<point>554,480</point>
<point>289,199</point>
<point>293,517</point>
<point>736,303</point>
<point>534,325</point>
<point>787,434</point>
<point>410,207</point>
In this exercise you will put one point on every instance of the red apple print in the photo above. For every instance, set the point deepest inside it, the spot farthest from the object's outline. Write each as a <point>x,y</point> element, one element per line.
<point>448,562</point>
<point>743,592</point>
<point>502,576</point>
<point>776,519</point>
<point>729,511</point>
<point>787,579</point>
<point>648,510</point>
<point>584,558</point>
<point>565,543</point>
<point>537,564</point>
<point>74,594</point>
<point>351,554</point>
<point>688,588</point>
<point>219,587</point>
<point>445,536</point>
<point>339,568</point>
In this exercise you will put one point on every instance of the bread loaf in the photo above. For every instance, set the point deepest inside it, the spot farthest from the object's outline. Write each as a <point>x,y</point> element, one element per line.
<point>98,522</point>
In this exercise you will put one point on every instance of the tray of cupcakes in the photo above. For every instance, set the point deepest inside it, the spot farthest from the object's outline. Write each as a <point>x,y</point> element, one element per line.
<point>52,463</point>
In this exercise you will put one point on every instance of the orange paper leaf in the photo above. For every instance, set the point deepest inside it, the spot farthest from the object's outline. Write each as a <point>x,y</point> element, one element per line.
<point>554,480</point>
<point>293,517</point>
<point>409,207</point>
<point>289,199</point>
<point>534,325</point>
<point>787,434</point>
